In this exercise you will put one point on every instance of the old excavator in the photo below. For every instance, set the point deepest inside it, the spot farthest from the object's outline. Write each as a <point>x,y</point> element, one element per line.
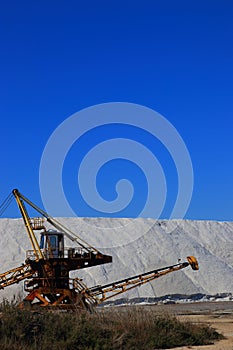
<point>47,266</point>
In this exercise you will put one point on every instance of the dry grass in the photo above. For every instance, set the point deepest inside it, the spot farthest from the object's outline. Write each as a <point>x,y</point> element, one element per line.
<point>114,329</point>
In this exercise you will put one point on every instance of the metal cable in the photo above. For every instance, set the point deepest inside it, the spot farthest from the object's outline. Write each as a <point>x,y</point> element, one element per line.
<point>6,203</point>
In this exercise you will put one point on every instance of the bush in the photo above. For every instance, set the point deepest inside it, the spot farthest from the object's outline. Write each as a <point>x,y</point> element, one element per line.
<point>110,329</point>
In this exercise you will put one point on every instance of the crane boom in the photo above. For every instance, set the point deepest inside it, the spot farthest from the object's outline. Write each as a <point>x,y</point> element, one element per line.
<point>70,234</point>
<point>37,251</point>
<point>47,267</point>
<point>107,291</point>
<point>15,275</point>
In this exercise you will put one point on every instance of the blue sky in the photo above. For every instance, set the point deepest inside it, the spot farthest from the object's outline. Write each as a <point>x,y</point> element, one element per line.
<point>175,57</point>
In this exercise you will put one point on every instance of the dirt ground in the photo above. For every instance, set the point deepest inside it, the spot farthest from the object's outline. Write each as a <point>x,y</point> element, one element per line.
<point>218,315</point>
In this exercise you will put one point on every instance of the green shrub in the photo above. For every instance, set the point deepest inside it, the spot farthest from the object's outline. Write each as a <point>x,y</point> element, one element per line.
<point>109,329</point>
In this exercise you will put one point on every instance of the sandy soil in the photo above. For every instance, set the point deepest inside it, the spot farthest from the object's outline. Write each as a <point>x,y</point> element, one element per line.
<point>222,323</point>
<point>218,315</point>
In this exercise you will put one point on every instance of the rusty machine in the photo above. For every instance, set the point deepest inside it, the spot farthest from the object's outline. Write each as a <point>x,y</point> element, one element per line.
<point>47,266</point>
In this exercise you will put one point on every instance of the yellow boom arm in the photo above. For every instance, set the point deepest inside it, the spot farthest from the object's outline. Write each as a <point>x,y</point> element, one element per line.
<point>15,275</point>
<point>28,225</point>
<point>101,293</point>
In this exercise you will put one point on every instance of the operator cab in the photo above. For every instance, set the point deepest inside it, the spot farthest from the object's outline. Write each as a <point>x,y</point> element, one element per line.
<point>52,244</point>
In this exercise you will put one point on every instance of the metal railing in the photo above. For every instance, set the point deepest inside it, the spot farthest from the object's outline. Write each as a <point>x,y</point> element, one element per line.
<point>37,223</point>
<point>68,253</point>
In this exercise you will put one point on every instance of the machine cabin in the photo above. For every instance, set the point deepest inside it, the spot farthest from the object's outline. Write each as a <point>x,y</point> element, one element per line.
<point>52,244</point>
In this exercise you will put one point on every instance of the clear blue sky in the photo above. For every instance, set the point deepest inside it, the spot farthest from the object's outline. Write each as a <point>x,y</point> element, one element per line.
<point>176,57</point>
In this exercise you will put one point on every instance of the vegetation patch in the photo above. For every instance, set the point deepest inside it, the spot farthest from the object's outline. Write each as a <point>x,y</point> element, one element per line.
<point>109,329</point>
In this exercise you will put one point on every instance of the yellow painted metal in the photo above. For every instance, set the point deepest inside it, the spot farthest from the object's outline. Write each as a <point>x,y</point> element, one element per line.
<point>193,262</point>
<point>37,251</point>
<point>15,275</point>
<point>102,293</point>
<point>45,288</point>
<point>60,227</point>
